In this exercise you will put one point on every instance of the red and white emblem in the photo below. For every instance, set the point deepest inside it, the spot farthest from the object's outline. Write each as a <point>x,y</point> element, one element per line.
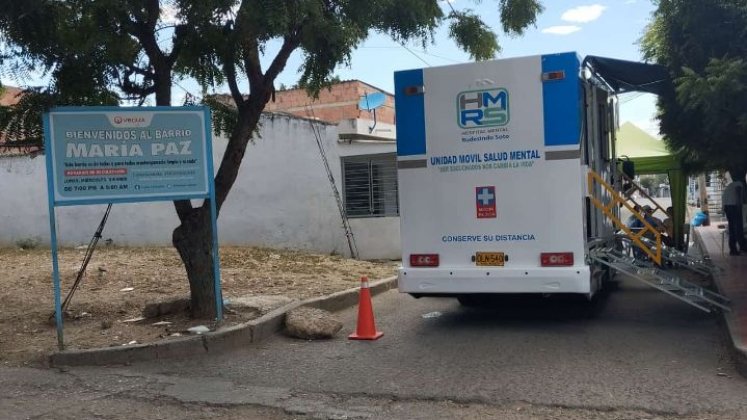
<point>485,197</point>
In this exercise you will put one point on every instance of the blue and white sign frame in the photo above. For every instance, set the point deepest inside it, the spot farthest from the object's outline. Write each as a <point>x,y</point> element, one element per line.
<point>100,155</point>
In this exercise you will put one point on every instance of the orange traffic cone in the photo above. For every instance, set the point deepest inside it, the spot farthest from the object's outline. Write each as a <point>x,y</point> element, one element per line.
<point>366,329</point>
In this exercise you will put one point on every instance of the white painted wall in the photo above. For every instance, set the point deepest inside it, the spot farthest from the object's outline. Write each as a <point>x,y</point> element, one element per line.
<point>282,199</point>
<point>364,147</point>
<point>376,237</point>
<point>362,127</point>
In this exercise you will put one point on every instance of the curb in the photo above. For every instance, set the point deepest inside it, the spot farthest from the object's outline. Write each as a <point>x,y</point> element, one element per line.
<point>739,349</point>
<point>253,331</point>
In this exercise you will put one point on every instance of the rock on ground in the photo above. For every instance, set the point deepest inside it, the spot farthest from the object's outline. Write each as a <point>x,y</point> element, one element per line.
<point>166,307</point>
<point>311,324</point>
<point>200,329</point>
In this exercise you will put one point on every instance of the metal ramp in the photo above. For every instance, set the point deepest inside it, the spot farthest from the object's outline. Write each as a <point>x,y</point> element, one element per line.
<point>642,255</point>
<point>615,256</point>
<point>678,259</point>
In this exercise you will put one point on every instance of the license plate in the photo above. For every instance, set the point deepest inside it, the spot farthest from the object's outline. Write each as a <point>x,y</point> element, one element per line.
<point>494,259</point>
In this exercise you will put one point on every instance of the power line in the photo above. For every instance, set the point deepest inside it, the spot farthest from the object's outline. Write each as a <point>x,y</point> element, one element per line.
<point>177,84</point>
<point>441,57</point>
<point>419,51</point>
<point>631,97</point>
<point>416,56</point>
<point>451,6</point>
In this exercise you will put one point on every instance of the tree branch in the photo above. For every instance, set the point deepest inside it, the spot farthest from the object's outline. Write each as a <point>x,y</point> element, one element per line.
<point>233,86</point>
<point>140,71</point>
<point>137,92</point>
<point>229,69</point>
<point>153,13</point>
<point>183,209</point>
<point>144,29</point>
<point>249,48</point>
<point>290,43</point>
<point>177,45</point>
<point>235,150</point>
<point>252,65</point>
<point>261,87</point>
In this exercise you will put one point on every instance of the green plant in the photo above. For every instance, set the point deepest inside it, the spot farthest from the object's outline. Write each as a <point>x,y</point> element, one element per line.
<point>28,243</point>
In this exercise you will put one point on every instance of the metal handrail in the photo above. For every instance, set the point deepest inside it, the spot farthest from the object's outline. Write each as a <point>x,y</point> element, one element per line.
<point>635,237</point>
<point>638,188</point>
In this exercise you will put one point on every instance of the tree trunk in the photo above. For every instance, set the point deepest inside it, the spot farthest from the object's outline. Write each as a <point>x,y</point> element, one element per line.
<point>193,240</point>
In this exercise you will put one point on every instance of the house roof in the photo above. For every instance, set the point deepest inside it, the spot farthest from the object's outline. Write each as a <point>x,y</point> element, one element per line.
<point>342,82</point>
<point>10,95</point>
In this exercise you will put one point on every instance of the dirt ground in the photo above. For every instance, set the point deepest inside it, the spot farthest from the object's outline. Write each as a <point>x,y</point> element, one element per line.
<point>121,281</point>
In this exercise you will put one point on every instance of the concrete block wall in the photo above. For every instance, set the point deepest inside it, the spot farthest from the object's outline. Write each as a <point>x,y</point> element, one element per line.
<point>336,104</point>
<point>282,199</point>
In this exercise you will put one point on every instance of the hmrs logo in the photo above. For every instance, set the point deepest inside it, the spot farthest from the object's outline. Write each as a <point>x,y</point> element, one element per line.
<point>482,108</point>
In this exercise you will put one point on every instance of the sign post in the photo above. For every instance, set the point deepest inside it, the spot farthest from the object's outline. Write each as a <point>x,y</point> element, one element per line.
<point>99,155</point>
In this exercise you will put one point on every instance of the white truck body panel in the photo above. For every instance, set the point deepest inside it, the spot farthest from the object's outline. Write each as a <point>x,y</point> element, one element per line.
<point>495,173</point>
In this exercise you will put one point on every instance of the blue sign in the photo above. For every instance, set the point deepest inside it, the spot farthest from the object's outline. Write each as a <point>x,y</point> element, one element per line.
<point>104,155</point>
<point>123,155</point>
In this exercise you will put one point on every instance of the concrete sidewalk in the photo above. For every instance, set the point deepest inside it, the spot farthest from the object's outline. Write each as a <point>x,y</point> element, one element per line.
<point>731,281</point>
<point>223,339</point>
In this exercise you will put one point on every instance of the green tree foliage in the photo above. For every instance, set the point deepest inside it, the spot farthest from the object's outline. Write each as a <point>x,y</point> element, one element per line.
<point>704,44</point>
<point>651,182</point>
<point>646,182</point>
<point>108,51</point>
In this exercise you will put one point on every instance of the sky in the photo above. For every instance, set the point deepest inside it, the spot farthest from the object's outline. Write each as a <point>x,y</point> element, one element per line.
<point>609,28</point>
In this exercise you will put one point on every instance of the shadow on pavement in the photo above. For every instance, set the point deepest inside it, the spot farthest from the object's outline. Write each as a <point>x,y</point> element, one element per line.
<point>526,309</point>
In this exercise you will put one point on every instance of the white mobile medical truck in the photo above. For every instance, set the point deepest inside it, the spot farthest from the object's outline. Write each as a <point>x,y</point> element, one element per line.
<point>492,163</point>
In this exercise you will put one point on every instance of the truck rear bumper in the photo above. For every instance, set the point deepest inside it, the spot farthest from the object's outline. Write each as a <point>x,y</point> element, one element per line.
<point>498,280</point>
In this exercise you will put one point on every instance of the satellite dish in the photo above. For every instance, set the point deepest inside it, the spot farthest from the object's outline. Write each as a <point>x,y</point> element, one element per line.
<point>371,101</point>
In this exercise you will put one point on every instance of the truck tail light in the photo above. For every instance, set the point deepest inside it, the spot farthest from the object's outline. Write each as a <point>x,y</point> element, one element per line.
<point>424,260</point>
<point>553,75</point>
<point>556,259</point>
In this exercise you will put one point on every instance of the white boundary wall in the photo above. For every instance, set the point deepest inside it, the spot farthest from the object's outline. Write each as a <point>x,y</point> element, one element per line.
<point>281,199</point>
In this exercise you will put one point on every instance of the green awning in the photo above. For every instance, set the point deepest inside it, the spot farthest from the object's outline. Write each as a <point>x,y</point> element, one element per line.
<point>633,142</point>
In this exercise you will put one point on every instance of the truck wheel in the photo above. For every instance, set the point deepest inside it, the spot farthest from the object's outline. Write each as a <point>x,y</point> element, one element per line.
<point>470,300</point>
<point>589,308</point>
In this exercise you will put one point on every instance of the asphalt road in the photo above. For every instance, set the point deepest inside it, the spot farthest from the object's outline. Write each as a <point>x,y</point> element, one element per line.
<point>644,355</point>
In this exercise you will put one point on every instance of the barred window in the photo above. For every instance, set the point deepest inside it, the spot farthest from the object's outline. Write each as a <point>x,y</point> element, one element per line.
<point>370,185</point>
